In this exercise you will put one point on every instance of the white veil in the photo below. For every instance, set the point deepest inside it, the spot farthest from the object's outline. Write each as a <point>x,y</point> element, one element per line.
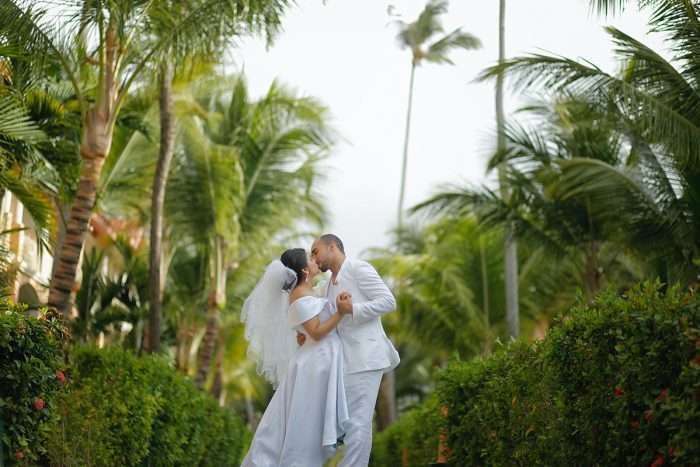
<point>271,339</point>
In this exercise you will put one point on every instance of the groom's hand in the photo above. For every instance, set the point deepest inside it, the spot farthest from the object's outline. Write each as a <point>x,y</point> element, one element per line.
<point>344,303</point>
<point>301,338</point>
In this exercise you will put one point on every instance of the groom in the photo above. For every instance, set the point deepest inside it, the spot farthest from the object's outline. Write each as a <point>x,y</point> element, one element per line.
<point>368,351</point>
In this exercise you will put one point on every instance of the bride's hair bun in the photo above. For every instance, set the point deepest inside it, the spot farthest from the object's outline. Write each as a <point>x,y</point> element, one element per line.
<point>295,260</point>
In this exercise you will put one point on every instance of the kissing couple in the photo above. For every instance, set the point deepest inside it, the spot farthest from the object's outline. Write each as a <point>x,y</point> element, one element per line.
<point>324,352</point>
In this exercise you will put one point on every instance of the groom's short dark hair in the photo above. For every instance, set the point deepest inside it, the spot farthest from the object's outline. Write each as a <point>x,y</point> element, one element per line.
<point>330,238</point>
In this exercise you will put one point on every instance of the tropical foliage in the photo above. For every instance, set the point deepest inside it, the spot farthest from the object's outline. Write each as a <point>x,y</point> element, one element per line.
<point>162,186</point>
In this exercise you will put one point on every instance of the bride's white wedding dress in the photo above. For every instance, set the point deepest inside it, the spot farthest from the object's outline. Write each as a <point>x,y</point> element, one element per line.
<point>307,414</point>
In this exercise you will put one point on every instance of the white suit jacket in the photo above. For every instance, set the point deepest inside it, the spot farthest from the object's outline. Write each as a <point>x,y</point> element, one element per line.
<point>366,346</point>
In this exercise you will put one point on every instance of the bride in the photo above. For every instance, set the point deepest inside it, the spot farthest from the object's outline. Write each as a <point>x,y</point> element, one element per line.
<point>306,417</point>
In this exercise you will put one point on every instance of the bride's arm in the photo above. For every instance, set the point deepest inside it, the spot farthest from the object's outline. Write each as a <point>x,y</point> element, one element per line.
<point>318,330</point>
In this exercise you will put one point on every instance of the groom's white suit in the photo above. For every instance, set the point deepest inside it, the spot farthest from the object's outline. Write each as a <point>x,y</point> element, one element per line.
<point>368,351</point>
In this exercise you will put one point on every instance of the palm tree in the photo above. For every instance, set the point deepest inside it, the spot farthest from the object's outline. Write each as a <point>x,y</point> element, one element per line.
<point>419,37</point>
<point>102,49</point>
<point>510,244</point>
<point>243,175</point>
<point>442,297</point>
<point>656,106</point>
<point>541,210</point>
<point>208,48</point>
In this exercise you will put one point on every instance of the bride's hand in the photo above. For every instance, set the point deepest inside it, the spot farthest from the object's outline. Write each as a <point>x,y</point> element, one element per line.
<point>344,303</point>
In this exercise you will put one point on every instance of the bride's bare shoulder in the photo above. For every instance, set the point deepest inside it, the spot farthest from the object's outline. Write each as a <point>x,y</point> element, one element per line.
<point>296,294</point>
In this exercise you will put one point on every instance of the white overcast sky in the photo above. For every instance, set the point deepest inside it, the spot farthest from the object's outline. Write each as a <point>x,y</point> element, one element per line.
<point>345,53</point>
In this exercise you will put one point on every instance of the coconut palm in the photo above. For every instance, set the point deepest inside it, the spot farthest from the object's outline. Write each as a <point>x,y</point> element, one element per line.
<point>166,72</point>
<point>441,296</point>
<point>541,209</point>
<point>102,49</point>
<point>243,175</point>
<point>420,38</point>
<point>510,244</point>
<point>656,106</point>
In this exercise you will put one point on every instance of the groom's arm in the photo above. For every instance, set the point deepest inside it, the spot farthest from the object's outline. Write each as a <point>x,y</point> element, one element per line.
<point>380,300</point>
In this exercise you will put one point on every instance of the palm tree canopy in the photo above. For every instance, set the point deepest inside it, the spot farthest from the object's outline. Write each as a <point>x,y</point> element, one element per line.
<point>417,34</point>
<point>244,169</point>
<point>659,96</point>
<point>70,34</point>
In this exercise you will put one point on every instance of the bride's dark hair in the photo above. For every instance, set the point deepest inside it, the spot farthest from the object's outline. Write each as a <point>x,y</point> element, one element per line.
<point>296,260</point>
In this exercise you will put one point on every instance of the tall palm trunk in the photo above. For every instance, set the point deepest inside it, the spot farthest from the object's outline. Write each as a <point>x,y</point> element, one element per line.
<point>402,191</point>
<point>511,251</point>
<point>386,403</point>
<point>160,179</point>
<point>217,300</point>
<point>485,294</point>
<point>208,345</point>
<point>592,277</point>
<point>217,385</point>
<point>98,126</point>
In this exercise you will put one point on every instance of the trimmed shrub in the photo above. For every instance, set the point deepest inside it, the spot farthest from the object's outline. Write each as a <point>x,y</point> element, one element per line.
<point>129,410</point>
<point>500,409</point>
<point>615,382</point>
<point>412,441</point>
<point>31,376</point>
<point>626,372</point>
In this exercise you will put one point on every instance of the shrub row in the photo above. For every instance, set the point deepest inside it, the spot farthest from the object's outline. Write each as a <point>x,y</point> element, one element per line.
<point>615,382</point>
<point>412,441</point>
<point>31,376</point>
<point>124,410</point>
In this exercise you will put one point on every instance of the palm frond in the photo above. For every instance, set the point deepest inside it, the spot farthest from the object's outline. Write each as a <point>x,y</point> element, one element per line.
<point>414,35</point>
<point>663,123</point>
<point>42,38</point>
<point>656,76</point>
<point>33,200</point>
<point>16,124</point>
<point>619,197</point>
<point>438,51</point>
<point>202,27</point>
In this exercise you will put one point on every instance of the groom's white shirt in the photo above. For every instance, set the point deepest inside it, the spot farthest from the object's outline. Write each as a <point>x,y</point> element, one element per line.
<point>366,346</point>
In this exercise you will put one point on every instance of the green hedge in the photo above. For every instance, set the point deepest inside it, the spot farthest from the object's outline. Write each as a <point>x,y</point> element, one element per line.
<point>616,382</point>
<point>124,410</point>
<point>500,409</point>
<point>31,376</point>
<point>413,439</point>
<point>627,375</point>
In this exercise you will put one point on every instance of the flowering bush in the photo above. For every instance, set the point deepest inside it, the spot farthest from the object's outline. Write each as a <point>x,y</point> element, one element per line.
<point>128,410</point>
<point>627,381</point>
<point>31,375</point>
<point>615,382</point>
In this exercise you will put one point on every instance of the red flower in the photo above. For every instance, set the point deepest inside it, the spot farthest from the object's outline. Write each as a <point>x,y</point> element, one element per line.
<point>695,360</point>
<point>19,455</point>
<point>60,376</point>
<point>648,415</point>
<point>663,395</point>
<point>658,461</point>
<point>39,404</point>
<point>619,392</point>
<point>634,424</point>
<point>671,451</point>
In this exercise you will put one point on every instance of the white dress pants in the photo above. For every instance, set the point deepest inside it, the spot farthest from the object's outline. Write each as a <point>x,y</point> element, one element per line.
<point>361,390</point>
